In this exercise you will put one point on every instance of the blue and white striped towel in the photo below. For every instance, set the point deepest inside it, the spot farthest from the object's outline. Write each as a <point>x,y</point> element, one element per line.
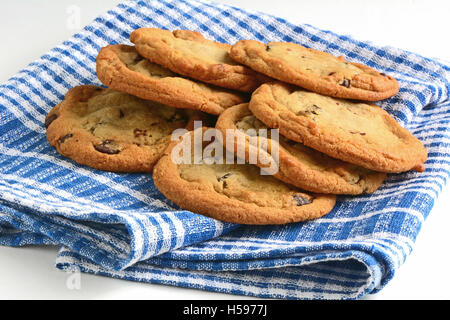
<point>119,225</point>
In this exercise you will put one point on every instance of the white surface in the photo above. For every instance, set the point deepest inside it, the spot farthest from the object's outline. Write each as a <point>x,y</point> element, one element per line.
<point>30,28</point>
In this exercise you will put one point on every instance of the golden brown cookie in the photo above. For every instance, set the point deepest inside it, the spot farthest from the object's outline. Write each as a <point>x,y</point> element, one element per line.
<point>298,165</point>
<point>236,193</point>
<point>120,67</point>
<point>113,131</point>
<point>355,132</point>
<point>315,70</point>
<point>190,54</point>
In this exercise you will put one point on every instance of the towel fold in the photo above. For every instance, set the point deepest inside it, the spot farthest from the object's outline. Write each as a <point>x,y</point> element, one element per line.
<point>119,225</point>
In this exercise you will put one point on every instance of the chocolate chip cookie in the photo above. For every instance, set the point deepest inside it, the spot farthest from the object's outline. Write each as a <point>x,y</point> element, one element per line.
<point>120,67</point>
<point>190,54</point>
<point>315,70</point>
<point>113,131</point>
<point>236,193</point>
<point>360,133</point>
<point>298,165</point>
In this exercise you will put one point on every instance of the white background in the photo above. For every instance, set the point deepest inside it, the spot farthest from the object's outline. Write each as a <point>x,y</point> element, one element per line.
<point>30,28</point>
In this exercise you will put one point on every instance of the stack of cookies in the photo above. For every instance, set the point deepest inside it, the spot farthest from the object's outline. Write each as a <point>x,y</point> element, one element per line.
<point>331,140</point>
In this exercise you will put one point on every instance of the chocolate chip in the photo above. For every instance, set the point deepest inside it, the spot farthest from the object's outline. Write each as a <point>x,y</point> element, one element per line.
<point>301,201</point>
<point>50,119</point>
<point>138,133</point>
<point>313,109</point>
<point>105,147</point>
<point>121,115</point>
<point>268,48</point>
<point>345,83</point>
<point>383,74</point>
<point>175,117</point>
<point>137,59</point>
<point>331,73</point>
<point>64,138</point>
<point>224,177</point>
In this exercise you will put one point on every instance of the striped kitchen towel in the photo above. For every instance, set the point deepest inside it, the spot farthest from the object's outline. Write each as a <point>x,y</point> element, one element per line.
<point>119,225</point>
